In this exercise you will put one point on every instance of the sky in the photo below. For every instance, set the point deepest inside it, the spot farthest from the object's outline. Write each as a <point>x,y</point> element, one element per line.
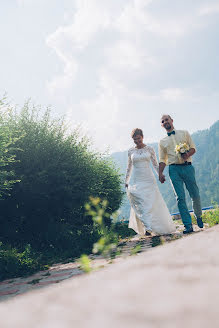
<point>114,65</point>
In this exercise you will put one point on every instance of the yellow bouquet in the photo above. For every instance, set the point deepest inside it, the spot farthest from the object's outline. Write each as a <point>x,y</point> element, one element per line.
<point>182,148</point>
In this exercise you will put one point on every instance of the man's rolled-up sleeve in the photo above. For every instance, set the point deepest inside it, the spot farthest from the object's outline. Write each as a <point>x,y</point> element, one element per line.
<point>190,141</point>
<point>162,154</point>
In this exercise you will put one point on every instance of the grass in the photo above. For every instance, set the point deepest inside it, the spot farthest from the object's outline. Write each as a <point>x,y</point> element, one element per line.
<point>136,250</point>
<point>211,217</point>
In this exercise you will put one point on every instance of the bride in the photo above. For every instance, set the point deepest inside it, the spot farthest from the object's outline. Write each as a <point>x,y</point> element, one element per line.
<point>148,209</point>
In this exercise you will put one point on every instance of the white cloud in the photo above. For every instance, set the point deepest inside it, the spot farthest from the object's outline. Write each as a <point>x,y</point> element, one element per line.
<point>131,26</point>
<point>91,18</point>
<point>173,94</point>
<point>136,19</point>
<point>128,55</point>
<point>209,9</point>
<point>67,57</point>
<point>120,56</point>
<point>100,114</point>
<point>26,2</point>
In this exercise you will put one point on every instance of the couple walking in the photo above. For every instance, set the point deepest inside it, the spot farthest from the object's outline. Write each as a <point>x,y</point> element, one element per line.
<point>148,209</point>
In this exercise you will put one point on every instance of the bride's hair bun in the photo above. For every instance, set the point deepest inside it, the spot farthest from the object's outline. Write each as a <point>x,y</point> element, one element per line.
<point>137,132</point>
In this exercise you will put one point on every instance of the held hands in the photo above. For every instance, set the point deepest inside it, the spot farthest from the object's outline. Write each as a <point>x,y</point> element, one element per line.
<point>161,169</point>
<point>162,178</point>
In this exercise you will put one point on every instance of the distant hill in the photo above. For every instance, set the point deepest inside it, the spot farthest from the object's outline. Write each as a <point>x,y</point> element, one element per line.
<point>206,163</point>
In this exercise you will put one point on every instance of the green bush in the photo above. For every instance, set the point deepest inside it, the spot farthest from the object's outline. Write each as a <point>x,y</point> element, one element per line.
<point>57,173</point>
<point>123,230</point>
<point>7,157</point>
<point>211,217</point>
<point>14,264</point>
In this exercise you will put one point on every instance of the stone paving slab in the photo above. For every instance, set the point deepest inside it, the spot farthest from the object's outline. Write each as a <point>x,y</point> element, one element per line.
<point>173,285</point>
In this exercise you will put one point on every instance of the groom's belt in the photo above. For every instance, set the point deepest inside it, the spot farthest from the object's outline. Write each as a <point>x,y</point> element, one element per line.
<point>183,164</point>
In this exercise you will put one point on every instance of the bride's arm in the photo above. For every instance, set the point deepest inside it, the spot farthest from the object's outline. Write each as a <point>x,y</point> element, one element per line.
<point>129,169</point>
<point>154,160</point>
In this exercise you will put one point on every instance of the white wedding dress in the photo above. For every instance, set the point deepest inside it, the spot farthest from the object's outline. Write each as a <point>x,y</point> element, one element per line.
<point>148,209</point>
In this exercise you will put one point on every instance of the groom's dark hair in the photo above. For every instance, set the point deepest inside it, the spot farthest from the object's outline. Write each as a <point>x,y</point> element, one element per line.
<point>137,132</point>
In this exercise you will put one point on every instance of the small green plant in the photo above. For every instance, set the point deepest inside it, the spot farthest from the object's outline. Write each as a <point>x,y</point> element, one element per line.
<point>85,263</point>
<point>136,250</point>
<point>107,245</point>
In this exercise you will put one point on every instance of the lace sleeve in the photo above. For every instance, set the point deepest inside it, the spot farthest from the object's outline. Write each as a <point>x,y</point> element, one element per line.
<point>129,168</point>
<point>154,160</point>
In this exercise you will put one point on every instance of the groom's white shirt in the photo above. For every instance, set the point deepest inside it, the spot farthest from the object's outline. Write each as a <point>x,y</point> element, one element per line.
<point>167,146</point>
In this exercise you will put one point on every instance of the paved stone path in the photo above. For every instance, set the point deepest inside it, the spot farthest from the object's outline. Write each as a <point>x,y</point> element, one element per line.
<point>175,285</point>
<point>59,272</point>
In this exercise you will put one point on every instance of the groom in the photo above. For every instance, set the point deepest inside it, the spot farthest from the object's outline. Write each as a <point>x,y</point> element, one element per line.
<point>181,171</point>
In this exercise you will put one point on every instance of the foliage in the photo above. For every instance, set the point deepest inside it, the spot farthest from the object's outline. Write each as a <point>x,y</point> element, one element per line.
<point>57,173</point>
<point>107,245</point>
<point>108,242</point>
<point>206,162</point>
<point>211,217</point>
<point>123,230</point>
<point>14,264</point>
<point>7,157</point>
<point>85,263</point>
<point>136,250</point>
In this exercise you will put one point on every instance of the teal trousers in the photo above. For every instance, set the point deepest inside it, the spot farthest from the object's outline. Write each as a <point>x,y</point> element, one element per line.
<point>180,176</point>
